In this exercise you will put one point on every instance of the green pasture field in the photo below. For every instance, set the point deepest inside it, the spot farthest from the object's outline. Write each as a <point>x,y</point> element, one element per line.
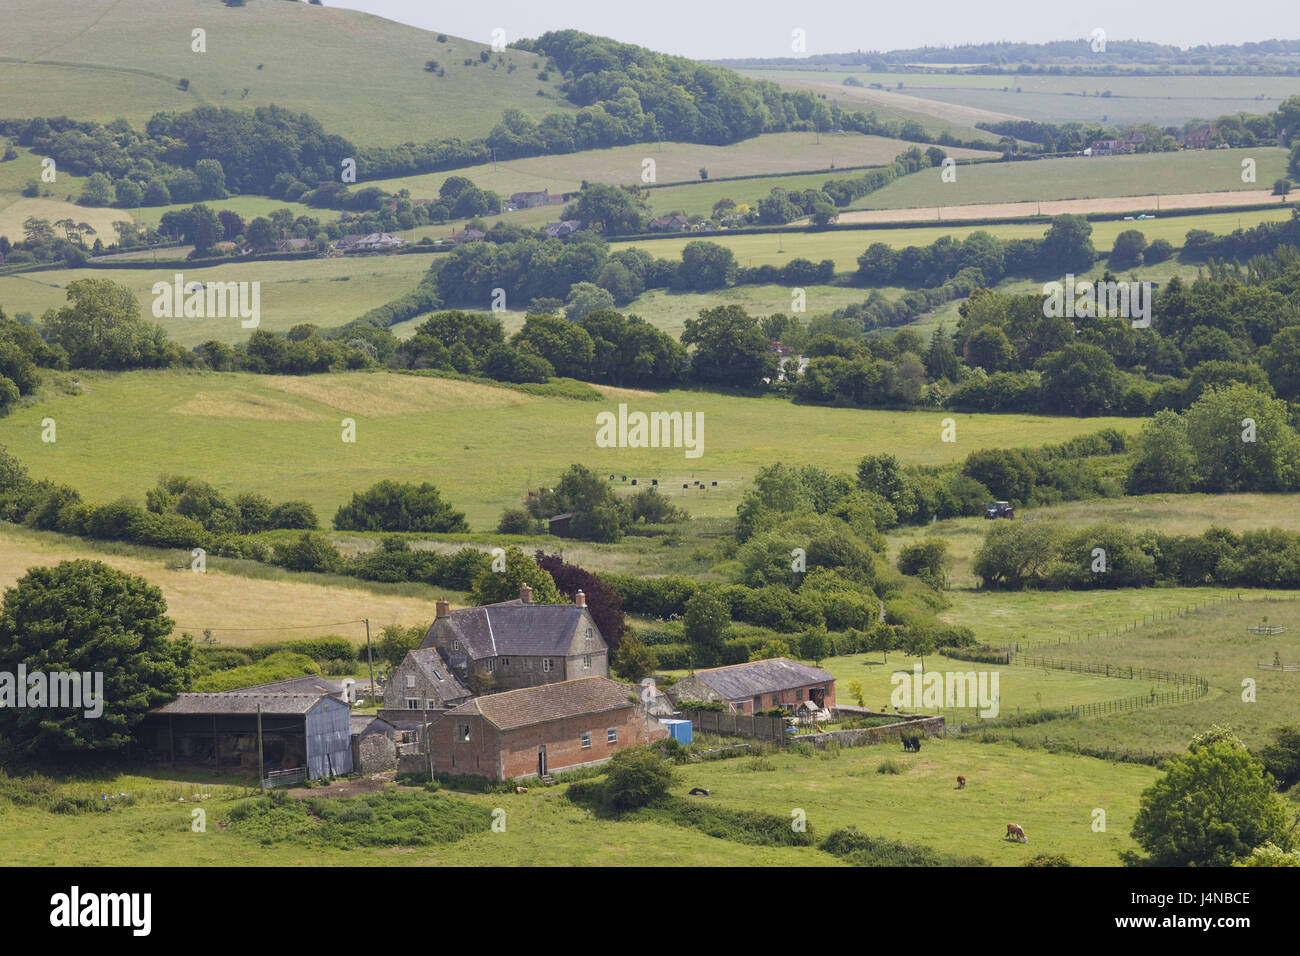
<point>673,162</point>
<point>1020,689</point>
<point>1084,177</point>
<point>481,445</point>
<point>1051,796</point>
<point>313,59</point>
<point>324,291</point>
<point>1213,643</point>
<point>1168,514</point>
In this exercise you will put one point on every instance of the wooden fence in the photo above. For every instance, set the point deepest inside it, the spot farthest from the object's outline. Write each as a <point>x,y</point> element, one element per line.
<point>1123,704</point>
<point>1123,671</point>
<point>760,726</point>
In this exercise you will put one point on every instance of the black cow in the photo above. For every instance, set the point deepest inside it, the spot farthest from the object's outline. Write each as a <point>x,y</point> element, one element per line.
<point>912,744</point>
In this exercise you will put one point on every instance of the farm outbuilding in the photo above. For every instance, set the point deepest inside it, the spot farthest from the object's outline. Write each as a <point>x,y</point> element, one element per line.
<point>307,732</point>
<point>759,685</point>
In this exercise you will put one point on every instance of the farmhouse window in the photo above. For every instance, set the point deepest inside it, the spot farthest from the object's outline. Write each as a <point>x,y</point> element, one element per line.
<point>462,732</point>
<point>438,674</point>
<point>586,661</point>
<point>611,735</point>
<point>410,680</point>
<point>505,662</point>
<point>491,665</point>
<point>546,664</point>
<point>412,703</point>
<point>586,740</point>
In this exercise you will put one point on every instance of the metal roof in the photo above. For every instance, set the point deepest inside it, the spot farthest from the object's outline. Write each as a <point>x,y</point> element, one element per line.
<point>761,677</point>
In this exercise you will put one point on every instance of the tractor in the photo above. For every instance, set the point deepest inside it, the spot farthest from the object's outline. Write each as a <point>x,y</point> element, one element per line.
<point>999,509</point>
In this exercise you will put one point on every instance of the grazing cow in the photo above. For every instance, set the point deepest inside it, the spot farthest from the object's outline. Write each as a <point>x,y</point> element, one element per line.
<point>699,792</point>
<point>912,744</point>
<point>916,744</point>
<point>1015,833</point>
<point>961,783</point>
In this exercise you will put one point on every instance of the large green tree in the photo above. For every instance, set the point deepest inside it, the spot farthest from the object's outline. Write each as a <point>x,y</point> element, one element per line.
<point>101,327</point>
<point>729,348</point>
<point>399,506</point>
<point>1212,807</point>
<point>86,617</point>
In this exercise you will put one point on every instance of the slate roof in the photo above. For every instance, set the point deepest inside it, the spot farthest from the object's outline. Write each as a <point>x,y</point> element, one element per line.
<point>761,677</point>
<point>310,684</point>
<point>511,628</point>
<point>548,702</point>
<point>239,704</point>
<point>437,673</point>
<point>365,724</point>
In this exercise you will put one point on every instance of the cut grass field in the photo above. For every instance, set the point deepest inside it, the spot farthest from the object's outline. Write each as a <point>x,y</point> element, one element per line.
<point>241,602</point>
<point>128,59</point>
<point>1085,177</point>
<point>1051,796</point>
<point>481,445</point>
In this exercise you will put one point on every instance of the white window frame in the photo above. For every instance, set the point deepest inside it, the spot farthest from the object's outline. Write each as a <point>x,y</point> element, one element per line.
<point>611,735</point>
<point>585,740</point>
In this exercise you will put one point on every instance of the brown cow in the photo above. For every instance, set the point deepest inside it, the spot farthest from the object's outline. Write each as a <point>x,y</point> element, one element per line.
<point>1015,833</point>
<point>961,783</point>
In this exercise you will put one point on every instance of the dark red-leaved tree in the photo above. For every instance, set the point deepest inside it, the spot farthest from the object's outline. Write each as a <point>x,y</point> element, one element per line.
<point>603,602</point>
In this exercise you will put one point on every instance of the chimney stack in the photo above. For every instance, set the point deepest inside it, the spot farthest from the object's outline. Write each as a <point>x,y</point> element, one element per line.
<point>580,599</point>
<point>442,608</point>
<point>526,594</point>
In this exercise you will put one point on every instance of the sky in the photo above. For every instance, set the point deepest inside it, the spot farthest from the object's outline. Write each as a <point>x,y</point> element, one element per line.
<point>717,29</point>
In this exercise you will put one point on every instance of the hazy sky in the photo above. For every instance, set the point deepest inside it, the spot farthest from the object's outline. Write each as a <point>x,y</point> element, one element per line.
<point>707,29</point>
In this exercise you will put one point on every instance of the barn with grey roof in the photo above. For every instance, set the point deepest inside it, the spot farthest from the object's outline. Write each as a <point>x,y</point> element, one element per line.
<point>759,685</point>
<point>310,732</point>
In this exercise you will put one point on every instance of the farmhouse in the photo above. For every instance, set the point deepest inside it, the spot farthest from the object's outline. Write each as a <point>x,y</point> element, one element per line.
<point>758,685</point>
<point>468,235</point>
<point>560,230</point>
<point>674,223</point>
<point>530,200</point>
<point>309,733</point>
<point>373,242</point>
<point>518,643</point>
<point>1200,138</point>
<point>540,730</point>
<point>424,681</point>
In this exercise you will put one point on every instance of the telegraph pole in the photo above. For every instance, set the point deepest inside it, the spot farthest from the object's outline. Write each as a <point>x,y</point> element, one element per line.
<point>370,659</point>
<point>261,766</point>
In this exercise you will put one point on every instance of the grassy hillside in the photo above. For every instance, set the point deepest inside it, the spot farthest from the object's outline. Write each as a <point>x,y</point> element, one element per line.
<point>480,445</point>
<point>362,76</point>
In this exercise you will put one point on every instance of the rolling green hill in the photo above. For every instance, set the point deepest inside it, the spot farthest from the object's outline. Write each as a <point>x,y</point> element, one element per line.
<point>362,76</point>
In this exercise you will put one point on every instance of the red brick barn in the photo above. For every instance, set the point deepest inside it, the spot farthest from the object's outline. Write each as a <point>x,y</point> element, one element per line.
<point>539,730</point>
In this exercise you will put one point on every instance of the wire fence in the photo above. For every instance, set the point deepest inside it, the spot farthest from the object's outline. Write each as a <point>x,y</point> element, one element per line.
<point>1155,617</point>
<point>1122,671</point>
